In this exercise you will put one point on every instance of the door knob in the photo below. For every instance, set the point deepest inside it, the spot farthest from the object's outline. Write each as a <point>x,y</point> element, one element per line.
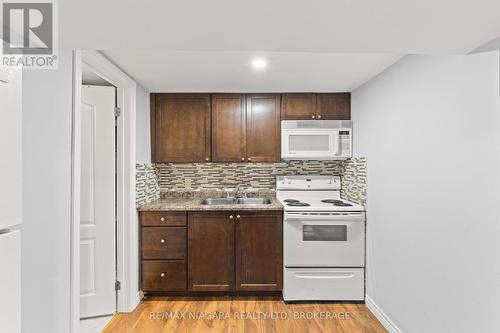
<point>237,216</point>
<point>313,117</point>
<point>243,159</point>
<point>249,159</point>
<point>207,159</point>
<point>162,219</point>
<point>162,274</point>
<point>231,217</point>
<point>319,116</point>
<point>163,241</point>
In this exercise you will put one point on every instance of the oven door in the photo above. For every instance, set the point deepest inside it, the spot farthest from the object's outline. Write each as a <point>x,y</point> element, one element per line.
<point>309,143</point>
<point>324,239</point>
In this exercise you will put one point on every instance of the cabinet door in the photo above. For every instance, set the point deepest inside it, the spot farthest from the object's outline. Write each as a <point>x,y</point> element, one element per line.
<point>228,128</point>
<point>211,251</point>
<point>333,106</point>
<point>259,263</point>
<point>263,128</point>
<point>181,128</point>
<point>298,106</point>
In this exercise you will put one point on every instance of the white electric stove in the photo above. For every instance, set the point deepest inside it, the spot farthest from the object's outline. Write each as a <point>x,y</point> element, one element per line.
<point>323,240</point>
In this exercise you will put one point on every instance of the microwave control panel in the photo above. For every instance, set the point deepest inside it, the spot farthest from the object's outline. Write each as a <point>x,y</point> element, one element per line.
<point>345,143</point>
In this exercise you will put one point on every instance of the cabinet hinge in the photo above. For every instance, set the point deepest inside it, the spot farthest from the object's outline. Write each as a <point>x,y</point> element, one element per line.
<point>118,285</point>
<point>117,112</point>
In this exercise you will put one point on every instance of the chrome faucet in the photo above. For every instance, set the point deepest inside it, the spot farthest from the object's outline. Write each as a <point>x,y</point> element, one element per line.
<point>238,192</point>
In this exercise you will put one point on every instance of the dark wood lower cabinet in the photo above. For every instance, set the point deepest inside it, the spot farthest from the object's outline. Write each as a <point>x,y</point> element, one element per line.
<point>211,251</point>
<point>163,243</point>
<point>259,246</point>
<point>163,275</point>
<point>225,252</point>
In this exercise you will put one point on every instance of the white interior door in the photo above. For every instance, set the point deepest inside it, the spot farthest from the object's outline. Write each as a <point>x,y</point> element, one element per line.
<point>97,206</point>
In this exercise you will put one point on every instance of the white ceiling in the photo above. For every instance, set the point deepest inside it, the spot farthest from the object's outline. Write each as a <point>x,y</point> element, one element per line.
<point>171,71</point>
<point>188,45</point>
<point>374,26</point>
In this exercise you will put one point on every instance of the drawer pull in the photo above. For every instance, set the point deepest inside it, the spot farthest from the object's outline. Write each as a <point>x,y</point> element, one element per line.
<point>162,274</point>
<point>162,219</point>
<point>163,241</point>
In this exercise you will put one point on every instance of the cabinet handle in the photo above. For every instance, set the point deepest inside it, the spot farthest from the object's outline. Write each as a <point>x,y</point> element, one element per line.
<point>231,217</point>
<point>162,274</point>
<point>243,159</point>
<point>207,159</point>
<point>238,217</point>
<point>249,159</point>
<point>313,117</point>
<point>163,241</point>
<point>162,219</point>
<point>319,116</point>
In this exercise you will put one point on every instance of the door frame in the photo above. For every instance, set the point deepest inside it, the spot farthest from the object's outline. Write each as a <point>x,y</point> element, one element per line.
<point>126,225</point>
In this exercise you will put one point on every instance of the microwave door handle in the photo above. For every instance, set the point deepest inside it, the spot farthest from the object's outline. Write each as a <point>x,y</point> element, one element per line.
<point>335,143</point>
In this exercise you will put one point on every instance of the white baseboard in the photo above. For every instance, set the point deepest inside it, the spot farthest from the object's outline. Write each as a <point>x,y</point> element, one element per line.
<point>381,316</point>
<point>138,297</point>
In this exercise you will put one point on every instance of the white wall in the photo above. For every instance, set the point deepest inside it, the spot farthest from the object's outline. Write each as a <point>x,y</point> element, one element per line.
<point>143,143</point>
<point>10,146</point>
<point>47,103</point>
<point>430,129</point>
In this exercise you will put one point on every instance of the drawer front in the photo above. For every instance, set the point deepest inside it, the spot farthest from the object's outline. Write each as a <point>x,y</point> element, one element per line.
<point>323,284</point>
<point>164,275</point>
<point>164,243</point>
<point>162,219</point>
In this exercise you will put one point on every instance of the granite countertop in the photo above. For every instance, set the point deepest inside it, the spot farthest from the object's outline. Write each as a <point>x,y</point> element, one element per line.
<point>191,201</point>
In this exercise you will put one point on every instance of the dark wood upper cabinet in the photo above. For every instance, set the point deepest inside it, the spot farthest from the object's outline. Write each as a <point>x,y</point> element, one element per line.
<point>263,128</point>
<point>181,128</point>
<point>259,250</point>
<point>228,128</point>
<point>211,251</point>
<point>333,106</point>
<point>298,106</point>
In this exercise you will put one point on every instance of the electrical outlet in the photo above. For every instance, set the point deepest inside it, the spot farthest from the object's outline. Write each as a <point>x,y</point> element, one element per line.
<point>187,182</point>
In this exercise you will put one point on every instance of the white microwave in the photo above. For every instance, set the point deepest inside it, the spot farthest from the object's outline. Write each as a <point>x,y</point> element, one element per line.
<point>316,139</point>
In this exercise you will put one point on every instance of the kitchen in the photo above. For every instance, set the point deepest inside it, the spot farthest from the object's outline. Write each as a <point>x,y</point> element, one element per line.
<point>332,168</point>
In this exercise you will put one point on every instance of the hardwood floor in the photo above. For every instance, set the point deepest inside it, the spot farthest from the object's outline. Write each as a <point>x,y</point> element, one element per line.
<point>242,314</point>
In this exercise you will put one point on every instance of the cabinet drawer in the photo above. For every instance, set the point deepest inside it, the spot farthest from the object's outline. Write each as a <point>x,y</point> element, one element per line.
<point>163,275</point>
<point>163,242</point>
<point>162,219</point>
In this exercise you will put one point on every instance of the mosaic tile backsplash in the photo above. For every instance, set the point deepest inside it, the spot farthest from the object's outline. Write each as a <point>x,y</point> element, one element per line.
<point>147,186</point>
<point>209,176</point>
<point>255,175</point>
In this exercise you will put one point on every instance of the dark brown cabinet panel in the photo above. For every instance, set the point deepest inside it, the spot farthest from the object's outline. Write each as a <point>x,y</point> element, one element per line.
<point>263,128</point>
<point>228,128</point>
<point>163,275</point>
<point>259,251</point>
<point>298,106</point>
<point>211,251</point>
<point>333,106</point>
<point>162,219</point>
<point>163,242</point>
<point>181,128</point>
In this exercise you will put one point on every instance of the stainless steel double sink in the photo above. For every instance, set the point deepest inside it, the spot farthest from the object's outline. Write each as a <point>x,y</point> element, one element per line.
<point>235,201</point>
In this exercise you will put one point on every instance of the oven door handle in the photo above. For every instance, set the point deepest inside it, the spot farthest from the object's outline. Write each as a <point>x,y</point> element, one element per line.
<point>324,277</point>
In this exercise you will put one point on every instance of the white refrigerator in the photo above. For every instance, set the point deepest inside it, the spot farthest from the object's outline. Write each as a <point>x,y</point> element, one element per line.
<point>10,199</point>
